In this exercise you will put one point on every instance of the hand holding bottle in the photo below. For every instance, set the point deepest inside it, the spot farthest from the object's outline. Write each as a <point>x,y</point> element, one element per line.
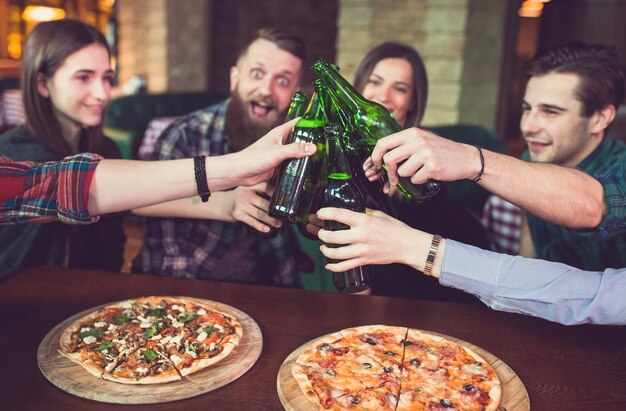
<point>373,238</point>
<point>257,162</point>
<point>422,155</point>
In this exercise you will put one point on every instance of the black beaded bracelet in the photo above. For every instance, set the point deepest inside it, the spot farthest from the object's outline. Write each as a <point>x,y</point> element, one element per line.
<point>199,169</point>
<point>482,165</point>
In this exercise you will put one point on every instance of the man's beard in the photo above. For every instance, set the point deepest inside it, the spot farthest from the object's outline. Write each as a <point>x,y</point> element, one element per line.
<point>242,131</point>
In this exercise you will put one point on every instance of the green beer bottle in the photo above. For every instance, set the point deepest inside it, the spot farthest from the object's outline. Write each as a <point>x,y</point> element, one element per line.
<point>296,109</point>
<point>372,191</point>
<point>311,205</point>
<point>372,121</point>
<point>342,192</point>
<point>297,106</point>
<point>313,184</point>
<point>291,189</point>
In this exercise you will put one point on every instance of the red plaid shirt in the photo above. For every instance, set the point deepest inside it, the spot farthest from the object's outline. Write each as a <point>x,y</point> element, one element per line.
<point>44,192</point>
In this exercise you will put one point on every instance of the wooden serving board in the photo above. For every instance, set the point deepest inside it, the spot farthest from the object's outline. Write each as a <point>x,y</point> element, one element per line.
<point>74,379</point>
<point>514,395</point>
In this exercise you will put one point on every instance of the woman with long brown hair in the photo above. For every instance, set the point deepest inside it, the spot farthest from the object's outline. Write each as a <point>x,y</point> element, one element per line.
<point>66,85</point>
<point>393,74</point>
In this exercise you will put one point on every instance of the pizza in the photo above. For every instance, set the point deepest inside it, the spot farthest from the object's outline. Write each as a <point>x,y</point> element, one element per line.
<point>151,340</point>
<point>379,367</point>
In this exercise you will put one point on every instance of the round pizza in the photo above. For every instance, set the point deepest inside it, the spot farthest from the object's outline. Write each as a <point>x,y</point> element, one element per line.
<point>151,340</point>
<point>381,367</point>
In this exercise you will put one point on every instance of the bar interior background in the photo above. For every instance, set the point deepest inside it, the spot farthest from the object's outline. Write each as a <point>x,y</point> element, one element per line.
<point>473,49</point>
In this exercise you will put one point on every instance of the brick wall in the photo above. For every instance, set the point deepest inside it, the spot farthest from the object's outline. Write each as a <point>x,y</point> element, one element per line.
<point>462,64</point>
<point>165,41</point>
<point>188,49</point>
<point>191,44</point>
<point>482,62</point>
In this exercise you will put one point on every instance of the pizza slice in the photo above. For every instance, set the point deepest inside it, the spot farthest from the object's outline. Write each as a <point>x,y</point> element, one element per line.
<point>336,374</point>
<point>438,373</point>
<point>383,397</point>
<point>335,353</point>
<point>323,386</point>
<point>97,341</point>
<point>196,336</point>
<point>383,342</point>
<point>146,365</point>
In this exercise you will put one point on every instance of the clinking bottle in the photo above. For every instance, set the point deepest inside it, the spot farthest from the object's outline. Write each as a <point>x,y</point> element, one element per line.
<point>297,106</point>
<point>342,192</point>
<point>296,109</point>
<point>371,121</point>
<point>293,186</point>
<point>372,191</point>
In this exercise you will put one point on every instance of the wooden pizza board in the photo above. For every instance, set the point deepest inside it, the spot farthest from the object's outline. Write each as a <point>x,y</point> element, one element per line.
<point>74,379</point>
<point>514,395</point>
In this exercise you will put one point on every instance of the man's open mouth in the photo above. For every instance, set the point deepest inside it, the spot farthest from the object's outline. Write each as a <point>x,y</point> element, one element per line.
<point>260,109</point>
<point>537,146</point>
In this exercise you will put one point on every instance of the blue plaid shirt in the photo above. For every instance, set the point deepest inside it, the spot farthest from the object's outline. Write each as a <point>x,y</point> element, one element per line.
<point>210,249</point>
<point>604,246</point>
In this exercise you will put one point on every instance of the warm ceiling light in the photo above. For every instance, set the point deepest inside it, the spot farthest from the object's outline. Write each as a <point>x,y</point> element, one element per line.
<point>530,8</point>
<point>528,13</point>
<point>42,13</point>
<point>108,4</point>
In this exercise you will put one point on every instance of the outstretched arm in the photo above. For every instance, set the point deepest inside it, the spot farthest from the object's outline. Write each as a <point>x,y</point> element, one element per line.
<point>121,184</point>
<point>241,204</point>
<point>77,189</point>
<point>563,196</point>
<point>553,291</point>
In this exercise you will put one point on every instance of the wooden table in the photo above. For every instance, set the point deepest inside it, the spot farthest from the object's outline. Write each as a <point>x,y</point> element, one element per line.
<point>566,368</point>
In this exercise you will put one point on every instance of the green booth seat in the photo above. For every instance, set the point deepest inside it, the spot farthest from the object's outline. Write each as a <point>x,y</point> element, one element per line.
<point>124,140</point>
<point>127,117</point>
<point>320,279</point>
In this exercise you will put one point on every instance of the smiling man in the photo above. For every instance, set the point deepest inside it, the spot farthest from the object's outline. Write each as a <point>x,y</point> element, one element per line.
<point>574,185</point>
<point>571,99</point>
<point>262,83</point>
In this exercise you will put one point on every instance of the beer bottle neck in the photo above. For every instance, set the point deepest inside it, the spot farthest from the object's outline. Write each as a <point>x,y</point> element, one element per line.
<point>338,167</point>
<point>345,95</point>
<point>314,116</point>
<point>297,106</point>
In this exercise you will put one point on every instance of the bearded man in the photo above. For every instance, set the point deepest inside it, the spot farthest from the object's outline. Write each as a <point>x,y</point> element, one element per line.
<point>219,246</point>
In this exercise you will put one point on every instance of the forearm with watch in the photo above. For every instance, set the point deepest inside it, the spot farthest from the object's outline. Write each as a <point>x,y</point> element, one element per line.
<point>427,253</point>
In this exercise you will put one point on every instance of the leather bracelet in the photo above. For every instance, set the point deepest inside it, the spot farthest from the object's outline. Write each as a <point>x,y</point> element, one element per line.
<point>432,252</point>
<point>199,169</point>
<point>482,165</point>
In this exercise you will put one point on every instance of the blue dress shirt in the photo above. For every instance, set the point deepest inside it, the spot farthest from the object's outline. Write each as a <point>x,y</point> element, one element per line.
<point>553,291</point>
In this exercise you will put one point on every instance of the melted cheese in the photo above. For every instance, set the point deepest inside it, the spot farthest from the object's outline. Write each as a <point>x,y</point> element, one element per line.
<point>89,339</point>
<point>176,359</point>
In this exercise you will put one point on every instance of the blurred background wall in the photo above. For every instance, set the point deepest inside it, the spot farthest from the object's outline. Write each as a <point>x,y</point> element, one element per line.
<point>473,49</point>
